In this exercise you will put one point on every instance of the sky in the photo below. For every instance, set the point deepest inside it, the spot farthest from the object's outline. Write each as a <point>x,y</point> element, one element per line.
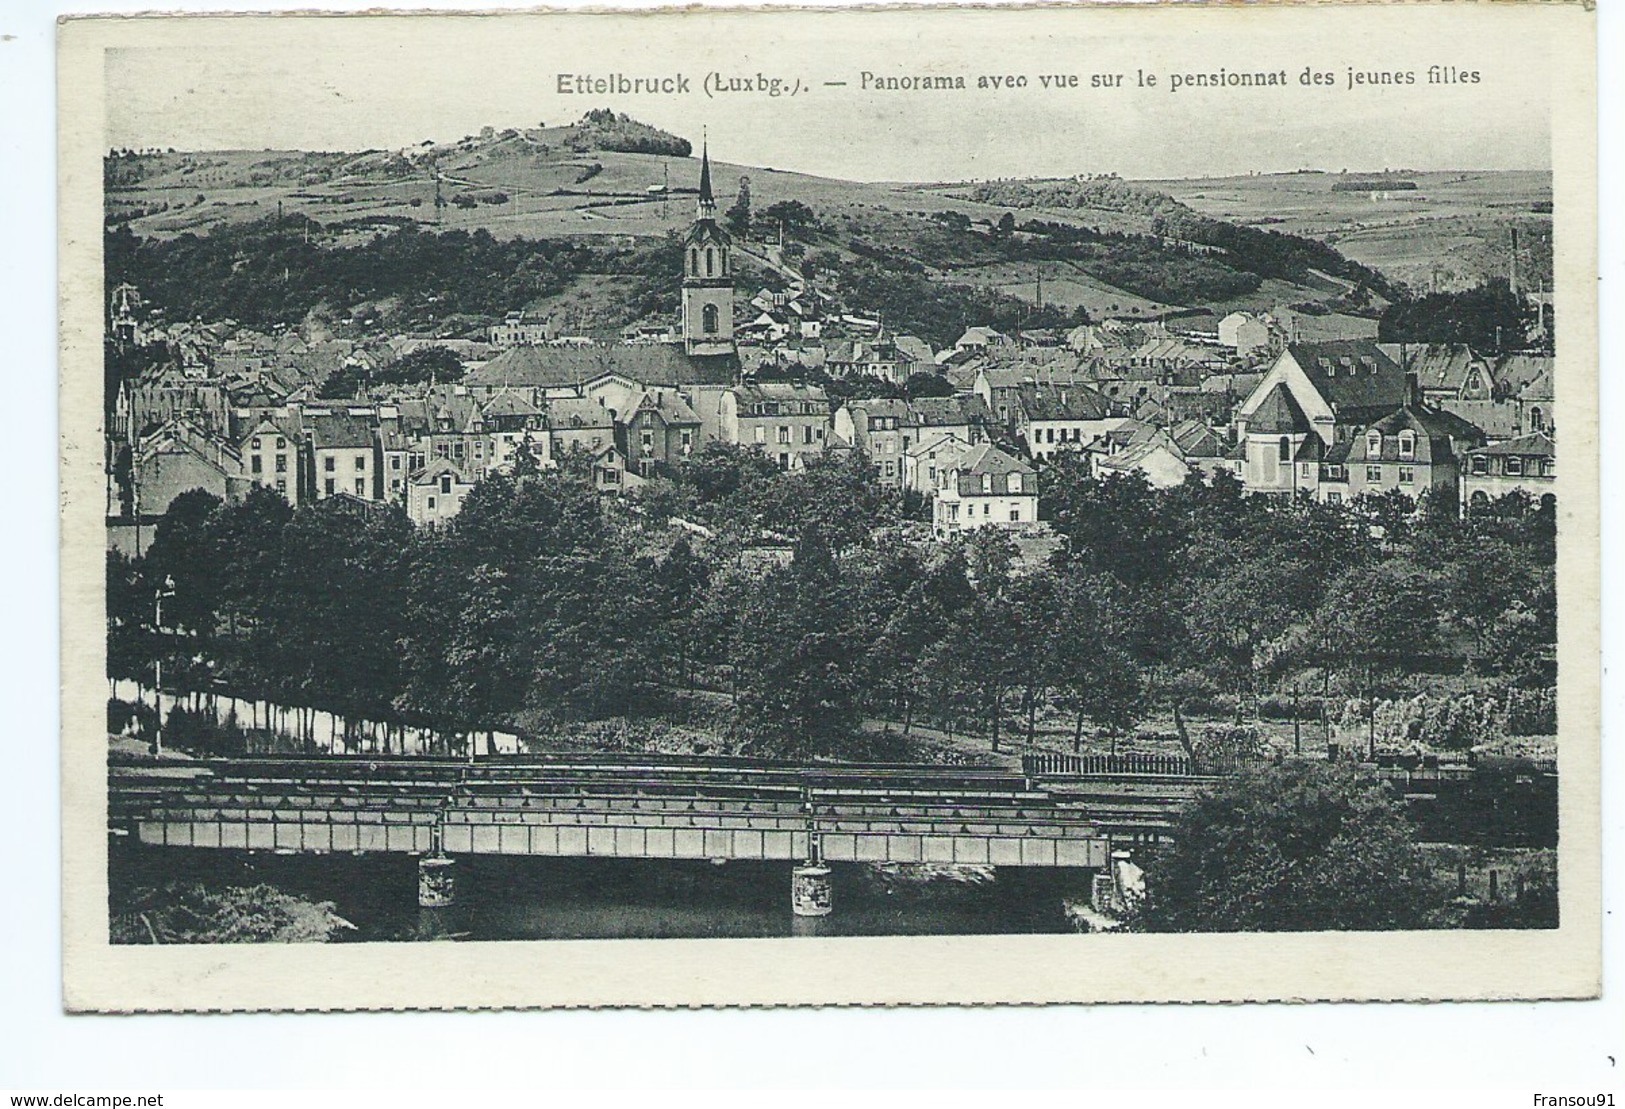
<point>356,83</point>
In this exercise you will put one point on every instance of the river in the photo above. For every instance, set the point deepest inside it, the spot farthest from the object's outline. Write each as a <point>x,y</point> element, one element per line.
<point>520,898</point>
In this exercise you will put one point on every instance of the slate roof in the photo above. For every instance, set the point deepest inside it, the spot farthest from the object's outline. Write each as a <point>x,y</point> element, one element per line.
<point>338,431</point>
<point>1538,444</point>
<point>645,363</point>
<point>1045,401</point>
<point>1354,375</point>
<point>1278,414</point>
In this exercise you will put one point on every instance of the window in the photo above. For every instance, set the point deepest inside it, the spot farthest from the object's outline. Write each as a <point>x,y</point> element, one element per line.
<point>1373,443</point>
<point>784,435</point>
<point>1050,432</point>
<point>431,504</point>
<point>394,462</point>
<point>1373,475</point>
<point>330,463</point>
<point>282,485</point>
<point>457,450</point>
<point>784,461</point>
<point>1303,470</point>
<point>1537,419</point>
<point>1407,444</point>
<point>710,262</point>
<point>761,435</point>
<point>1480,500</point>
<point>710,319</point>
<point>361,462</point>
<point>688,441</point>
<point>806,434</point>
<point>1013,483</point>
<point>1481,465</point>
<point>254,464</point>
<point>1513,466</point>
<point>281,443</point>
<point>694,261</point>
<point>1015,515</point>
<point>1284,449</point>
<point>987,483</point>
<point>1334,497</point>
<point>330,484</point>
<point>258,442</point>
<point>647,440</point>
<point>987,508</point>
<point>1407,475</point>
<point>890,469</point>
<point>445,484</point>
<point>361,487</point>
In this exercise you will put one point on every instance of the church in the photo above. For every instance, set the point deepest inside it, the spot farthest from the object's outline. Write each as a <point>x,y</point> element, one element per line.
<point>704,353</point>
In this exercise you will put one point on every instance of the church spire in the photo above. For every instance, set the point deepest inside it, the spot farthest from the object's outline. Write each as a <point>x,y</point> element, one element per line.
<point>708,202</point>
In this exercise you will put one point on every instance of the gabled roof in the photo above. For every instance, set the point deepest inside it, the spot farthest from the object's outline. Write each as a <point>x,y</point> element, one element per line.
<point>1529,376</point>
<point>577,412</point>
<point>1538,444</point>
<point>337,431</point>
<point>1278,414</point>
<point>1437,433</point>
<point>509,404</point>
<point>1353,375</point>
<point>432,470</point>
<point>988,459</point>
<point>644,363</point>
<point>1444,366</point>
<point>1045,401</point>
<point>671,407</point>
<point>1198,440</point>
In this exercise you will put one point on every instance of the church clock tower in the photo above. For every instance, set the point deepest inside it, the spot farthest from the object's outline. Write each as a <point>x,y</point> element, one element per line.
<point>708,284</point>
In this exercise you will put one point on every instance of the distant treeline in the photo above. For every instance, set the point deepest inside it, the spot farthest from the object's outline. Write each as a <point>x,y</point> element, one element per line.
<point>1265,253</point>
<point>268,272</point>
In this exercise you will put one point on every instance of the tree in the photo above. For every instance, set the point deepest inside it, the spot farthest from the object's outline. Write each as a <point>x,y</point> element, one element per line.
<point>793,216</point>
<point>1301,847</point>
<point>738,216</point>
<point>923,383</point>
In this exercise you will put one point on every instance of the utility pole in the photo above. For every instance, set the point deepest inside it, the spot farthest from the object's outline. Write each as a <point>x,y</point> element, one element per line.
<point>156,747</point>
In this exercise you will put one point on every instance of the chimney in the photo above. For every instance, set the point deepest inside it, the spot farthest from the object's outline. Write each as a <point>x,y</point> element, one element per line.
<point>1413,390</point>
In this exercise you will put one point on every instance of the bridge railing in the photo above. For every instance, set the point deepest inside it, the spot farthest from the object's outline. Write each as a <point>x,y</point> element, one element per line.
<point>1055,764</point>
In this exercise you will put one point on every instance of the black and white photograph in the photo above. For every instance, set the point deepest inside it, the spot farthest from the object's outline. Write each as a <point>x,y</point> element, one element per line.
<point>628,478</point>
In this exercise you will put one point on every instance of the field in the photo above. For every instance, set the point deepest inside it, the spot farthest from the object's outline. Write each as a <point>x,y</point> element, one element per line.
<point>1450,231</point>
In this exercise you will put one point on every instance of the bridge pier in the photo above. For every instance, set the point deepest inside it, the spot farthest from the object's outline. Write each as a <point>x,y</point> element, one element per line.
<point>437,882</point>
<point>811,893</point>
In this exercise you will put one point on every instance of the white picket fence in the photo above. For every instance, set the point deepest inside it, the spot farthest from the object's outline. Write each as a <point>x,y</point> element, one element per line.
<point>326,730</point>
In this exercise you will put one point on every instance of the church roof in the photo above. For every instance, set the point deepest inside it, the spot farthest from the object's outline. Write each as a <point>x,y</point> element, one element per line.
<point>1354,375</point>
<point>644,363</point>
<point>1279,413</point>
<point>705,175</point>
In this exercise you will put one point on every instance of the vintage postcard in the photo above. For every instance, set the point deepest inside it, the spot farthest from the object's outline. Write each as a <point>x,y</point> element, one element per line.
<point>792,507</point>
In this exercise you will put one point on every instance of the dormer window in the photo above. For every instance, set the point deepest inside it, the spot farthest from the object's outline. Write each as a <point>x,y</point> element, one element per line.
<point>987,483</point>
<point>1013,486</point>
<point>1407,444</point>
<point>1373,443</point>
<point>1537,419</point>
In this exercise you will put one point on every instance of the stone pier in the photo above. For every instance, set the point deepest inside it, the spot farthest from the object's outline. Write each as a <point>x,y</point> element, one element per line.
<point>437,882</point>
<point>811,893</point>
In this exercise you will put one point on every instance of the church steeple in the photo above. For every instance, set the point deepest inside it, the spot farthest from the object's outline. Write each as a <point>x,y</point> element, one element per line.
<point>707,208</point>
<point>708,284</point>
<point>708,202</point>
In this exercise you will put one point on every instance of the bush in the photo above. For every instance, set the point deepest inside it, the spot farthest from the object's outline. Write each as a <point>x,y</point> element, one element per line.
<point>1301,847</point>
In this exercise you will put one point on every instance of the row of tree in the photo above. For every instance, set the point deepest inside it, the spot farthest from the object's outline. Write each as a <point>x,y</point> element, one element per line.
<point>802,606</point>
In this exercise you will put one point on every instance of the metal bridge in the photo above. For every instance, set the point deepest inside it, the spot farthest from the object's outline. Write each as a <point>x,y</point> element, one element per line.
<point>637,806</point>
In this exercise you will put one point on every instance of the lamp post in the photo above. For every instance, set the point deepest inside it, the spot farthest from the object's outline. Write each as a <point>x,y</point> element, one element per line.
<point>167,589</point>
